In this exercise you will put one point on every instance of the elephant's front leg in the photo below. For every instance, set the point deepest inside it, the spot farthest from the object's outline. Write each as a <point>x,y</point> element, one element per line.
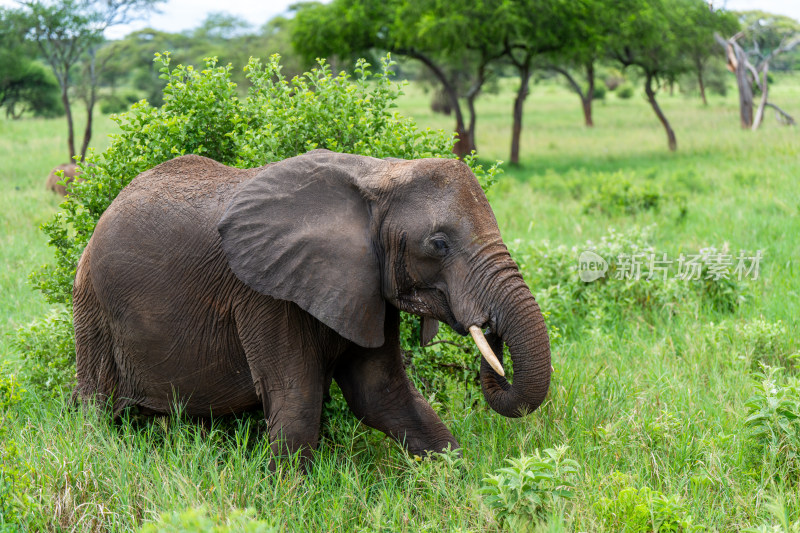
<point>378,391</point>
<point>284,353</point>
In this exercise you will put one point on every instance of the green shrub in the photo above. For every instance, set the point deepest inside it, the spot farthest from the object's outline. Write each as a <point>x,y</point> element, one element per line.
<point>625,91</point>
<point>118,102</point>
<point>765,341</point>
<point>553,272</point>
<point>641,510</point>
<point>599,92</point>
<point>773,422</point>
<point>199,520</point>
<point>47,346</point>
<point>530,487</point>
<point>14,472</point>
<point>618,194</point>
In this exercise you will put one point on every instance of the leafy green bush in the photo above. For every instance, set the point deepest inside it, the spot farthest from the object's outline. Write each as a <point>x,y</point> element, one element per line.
<point>773,422</point>
<point>617,193</point>
<point>14,479</point>
<point>199,520</point>
<point>554,274</point>
<point>625,91</point>
<point>643,511</point>
<point>47,346</point>
<point>118,102</point>
<point>522,493</point>
<point>599,92</point>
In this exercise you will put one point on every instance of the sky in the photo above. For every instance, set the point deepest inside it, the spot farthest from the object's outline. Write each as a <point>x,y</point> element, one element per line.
<point>180,15</point>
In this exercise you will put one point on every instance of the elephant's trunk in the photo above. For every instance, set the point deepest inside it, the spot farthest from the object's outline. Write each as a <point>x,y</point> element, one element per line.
<point>518,323</point>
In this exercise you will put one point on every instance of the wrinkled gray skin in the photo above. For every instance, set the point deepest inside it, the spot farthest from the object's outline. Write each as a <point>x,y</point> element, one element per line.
<point>231,289</point>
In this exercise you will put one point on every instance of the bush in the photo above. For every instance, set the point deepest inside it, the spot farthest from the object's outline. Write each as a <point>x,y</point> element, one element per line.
<point>198,520</point>
<point>625,91</point>
<point>531,486</point>
<point>642,510</point>
<point>14,472</point>
<point>47,346</point>
<point>118,103</point>
<point>599,92</point>
<point>554,274</point>
<point>773,422</point>
<point>617,194</point>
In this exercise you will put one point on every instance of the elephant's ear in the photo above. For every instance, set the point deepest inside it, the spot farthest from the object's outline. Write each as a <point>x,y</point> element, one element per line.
<point>300,231</point>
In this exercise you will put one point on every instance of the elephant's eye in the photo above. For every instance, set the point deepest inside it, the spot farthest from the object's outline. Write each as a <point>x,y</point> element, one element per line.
<point>440,244</point>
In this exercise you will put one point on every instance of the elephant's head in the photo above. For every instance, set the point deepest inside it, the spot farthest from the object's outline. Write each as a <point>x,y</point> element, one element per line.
<point>340,235</point>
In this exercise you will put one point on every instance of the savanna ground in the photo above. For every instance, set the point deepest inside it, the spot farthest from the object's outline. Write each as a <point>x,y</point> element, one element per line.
<point>648,398</point>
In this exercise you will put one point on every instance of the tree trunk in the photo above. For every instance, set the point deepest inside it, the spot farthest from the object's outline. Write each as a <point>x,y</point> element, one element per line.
<point>70,127</point>
<point>472,94</point>
<point>699,67</point>
<point>519,102</point>
<point>651,97</point>
<point>90,101</point>
<point>745,87</point>
<point>764,93</point>
<point>464,143</point>
<point>586,99</point>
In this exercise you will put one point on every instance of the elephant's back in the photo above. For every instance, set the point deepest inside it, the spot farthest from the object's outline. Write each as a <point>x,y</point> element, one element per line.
<point>163,225</point>
<point>184,182</point>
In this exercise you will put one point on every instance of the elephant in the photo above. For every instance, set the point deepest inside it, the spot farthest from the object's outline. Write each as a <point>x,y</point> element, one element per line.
<point>229,290</point>
<point>71,173</point>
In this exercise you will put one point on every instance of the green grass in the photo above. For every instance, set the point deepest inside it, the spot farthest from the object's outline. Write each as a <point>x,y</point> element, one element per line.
<point>644,399</point>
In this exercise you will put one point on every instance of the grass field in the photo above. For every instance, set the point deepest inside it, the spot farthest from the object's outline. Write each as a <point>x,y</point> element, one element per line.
<point>672,423</point>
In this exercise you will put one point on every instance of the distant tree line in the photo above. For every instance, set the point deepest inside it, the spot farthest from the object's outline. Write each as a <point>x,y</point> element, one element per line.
<point>53,51</point>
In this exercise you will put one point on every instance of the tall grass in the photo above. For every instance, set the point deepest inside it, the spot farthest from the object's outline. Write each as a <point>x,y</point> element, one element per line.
<point>652,406</point>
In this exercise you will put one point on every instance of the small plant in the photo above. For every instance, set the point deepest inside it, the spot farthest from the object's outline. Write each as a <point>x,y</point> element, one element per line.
<point>199,520</point>
<point>14,479</point>
<point>47,346</point>
<point>625,91</point>
<point>641,510</point>
<point>762,339</point>
<point>773,421</point>
<point>531,486</point>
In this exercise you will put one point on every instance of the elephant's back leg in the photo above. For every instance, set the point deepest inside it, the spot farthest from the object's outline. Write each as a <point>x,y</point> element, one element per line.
<point>98,375</point>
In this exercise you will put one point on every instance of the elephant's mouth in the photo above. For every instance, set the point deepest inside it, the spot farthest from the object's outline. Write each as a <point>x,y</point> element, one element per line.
<point>431,303</point>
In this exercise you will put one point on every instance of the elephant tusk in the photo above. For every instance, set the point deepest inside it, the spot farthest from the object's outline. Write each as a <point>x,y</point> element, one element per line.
<point>486,350</point>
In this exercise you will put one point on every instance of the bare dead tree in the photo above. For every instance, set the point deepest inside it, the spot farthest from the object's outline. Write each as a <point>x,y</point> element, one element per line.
<point>749,76</point>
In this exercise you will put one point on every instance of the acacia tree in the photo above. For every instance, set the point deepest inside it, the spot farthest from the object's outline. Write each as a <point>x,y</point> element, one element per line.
<point>68,33</point>
<point>531,29</point>
<point>25,84</point>
<point>453,40</point>
<point>587,26</point>
<point>648,39</point>
<point>697,34</point>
